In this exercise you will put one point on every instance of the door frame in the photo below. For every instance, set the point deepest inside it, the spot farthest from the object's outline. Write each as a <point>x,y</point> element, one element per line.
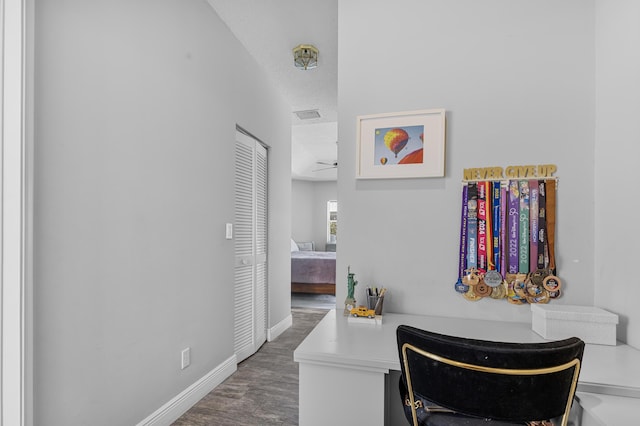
<point>16,88</point>
<point>259,330</point>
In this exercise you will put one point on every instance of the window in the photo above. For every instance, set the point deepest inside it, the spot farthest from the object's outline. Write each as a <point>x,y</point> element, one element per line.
<point>332,221</point>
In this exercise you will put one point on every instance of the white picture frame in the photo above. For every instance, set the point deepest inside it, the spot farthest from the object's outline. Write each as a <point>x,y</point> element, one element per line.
<point>408,144</point>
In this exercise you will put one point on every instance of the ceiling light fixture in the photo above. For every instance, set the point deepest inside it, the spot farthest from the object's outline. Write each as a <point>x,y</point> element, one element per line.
<point>305,57</point>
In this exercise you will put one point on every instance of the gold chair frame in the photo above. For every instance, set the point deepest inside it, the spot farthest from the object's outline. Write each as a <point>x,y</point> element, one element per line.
<point>574,363</point>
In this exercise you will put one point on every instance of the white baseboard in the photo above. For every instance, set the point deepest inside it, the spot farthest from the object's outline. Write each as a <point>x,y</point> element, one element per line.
<point>279,328</point>
<point>173,409</point>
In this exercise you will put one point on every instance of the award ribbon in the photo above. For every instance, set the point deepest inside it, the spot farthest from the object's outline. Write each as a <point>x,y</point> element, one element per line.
<point>496,225</point>
<point>503,229</point>
<point>462,261</point>
<point>524,227</point>
<point>542,225</point>
<point>471,277</point>
<point>507,240</point>
<point>533,224</point>
<point>472,226</point>
<point>514,209</point>
<point>551,282</point>
<point>489,229</point>
<point>492,278</point>
<point>550,186</point>
<point>482,226</point>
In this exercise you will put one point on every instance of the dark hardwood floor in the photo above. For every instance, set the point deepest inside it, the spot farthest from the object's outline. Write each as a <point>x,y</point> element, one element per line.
<point>264,390</point>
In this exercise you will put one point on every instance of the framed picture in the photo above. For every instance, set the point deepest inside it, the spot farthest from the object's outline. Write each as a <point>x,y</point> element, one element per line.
<point>401,145</point>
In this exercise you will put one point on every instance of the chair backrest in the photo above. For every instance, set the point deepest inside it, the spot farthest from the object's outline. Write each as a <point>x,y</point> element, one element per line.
<point>516,382</point>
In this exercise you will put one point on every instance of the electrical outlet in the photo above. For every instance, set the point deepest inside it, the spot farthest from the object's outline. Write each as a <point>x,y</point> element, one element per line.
<point>186,358</point>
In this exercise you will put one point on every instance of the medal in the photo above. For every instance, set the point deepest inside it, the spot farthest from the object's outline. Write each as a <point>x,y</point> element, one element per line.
<point>510,278</point>
<point>552,283</point>
<point>470,295</point>
<point>520,277</point>
<point>493,278</point>
<point>538,276</point>
<point>543,298</point>
<point>519,286</point>
<point>533,290</point>
<point>499,292</point>
<point>515,301</point>
<point>461,287</point>
<point>482,289</point>
<point>472,277</point>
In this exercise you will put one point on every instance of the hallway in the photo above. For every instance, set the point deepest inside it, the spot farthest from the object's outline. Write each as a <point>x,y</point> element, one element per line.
<point>264,390</point>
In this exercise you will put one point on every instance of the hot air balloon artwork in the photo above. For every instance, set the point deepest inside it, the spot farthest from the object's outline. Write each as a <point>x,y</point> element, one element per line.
<point>402,145</point>
<point>395,140</point>
<point>398,145</point>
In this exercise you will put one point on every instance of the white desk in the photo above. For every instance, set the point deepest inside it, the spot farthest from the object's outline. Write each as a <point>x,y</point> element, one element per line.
<point>343,365</point>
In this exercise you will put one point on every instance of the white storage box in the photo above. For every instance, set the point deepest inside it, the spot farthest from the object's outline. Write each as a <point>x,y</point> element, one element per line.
<point>591,324</point>
<point>377,320</point>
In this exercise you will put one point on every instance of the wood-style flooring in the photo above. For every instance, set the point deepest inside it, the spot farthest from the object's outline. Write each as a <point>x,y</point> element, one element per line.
<point>264,390</point>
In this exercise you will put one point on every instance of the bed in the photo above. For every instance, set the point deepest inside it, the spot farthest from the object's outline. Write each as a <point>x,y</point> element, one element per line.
<point>313,271</point>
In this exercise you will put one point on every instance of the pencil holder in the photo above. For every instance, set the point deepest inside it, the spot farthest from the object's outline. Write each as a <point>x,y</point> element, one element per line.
<point>372,301</point>
<point>378,305</point>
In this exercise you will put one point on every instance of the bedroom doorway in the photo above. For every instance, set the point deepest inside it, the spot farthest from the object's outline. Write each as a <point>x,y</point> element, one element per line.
<point>250,270</point>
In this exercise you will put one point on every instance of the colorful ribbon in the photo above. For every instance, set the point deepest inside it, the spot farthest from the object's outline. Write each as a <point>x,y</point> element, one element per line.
<point>472,226</point>
<point>523,249</point>
<point>462,264</point>
<point>514,214</point>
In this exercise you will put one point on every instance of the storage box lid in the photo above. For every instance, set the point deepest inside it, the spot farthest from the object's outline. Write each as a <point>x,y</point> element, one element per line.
<point>575,313</point>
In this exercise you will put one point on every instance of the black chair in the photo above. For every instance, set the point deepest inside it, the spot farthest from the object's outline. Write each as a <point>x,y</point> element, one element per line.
<point>450,380</point>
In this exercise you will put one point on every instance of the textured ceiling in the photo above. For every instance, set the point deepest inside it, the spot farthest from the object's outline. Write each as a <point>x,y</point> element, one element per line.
<point>269,30</point>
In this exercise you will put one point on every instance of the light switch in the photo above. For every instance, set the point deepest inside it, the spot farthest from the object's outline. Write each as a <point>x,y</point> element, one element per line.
<point>186,358</point>
<point>229,231</point>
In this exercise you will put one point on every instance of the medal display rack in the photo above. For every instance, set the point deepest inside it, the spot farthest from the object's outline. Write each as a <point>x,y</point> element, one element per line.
<point>506,181</point>
<point>507,237</point>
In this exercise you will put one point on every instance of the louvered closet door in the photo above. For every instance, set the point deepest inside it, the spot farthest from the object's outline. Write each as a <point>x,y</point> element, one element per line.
<point>261,245</point>
<point>250,246</point>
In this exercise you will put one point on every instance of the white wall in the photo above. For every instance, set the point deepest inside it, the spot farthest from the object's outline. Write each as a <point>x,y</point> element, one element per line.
<point>135,114</point>
<point>517,81</point>
<point>309,210</point>
<point>302,210</point>
<point>616,161</point>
